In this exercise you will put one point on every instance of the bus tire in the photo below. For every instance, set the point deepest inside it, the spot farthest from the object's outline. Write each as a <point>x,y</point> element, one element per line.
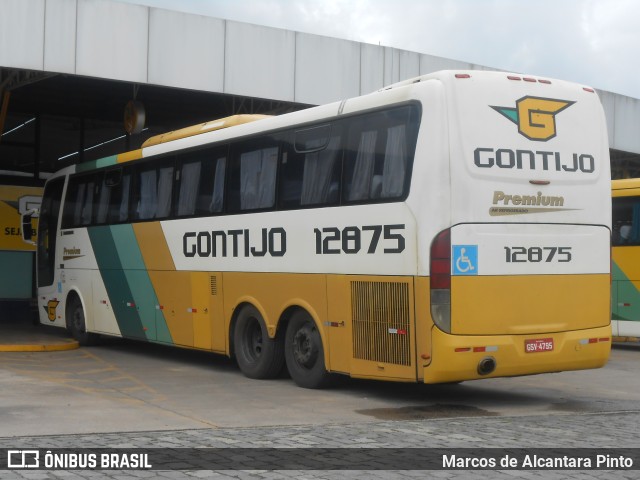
<point>257,355</point>
<point>304,352</point>
<point>76,323</point>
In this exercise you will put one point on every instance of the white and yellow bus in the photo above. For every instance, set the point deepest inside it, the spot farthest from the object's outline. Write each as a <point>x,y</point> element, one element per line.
<point>455,226</point>
<point>625,293</point>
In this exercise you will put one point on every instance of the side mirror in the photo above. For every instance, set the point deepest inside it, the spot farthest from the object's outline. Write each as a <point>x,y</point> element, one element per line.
<point>27,229</point>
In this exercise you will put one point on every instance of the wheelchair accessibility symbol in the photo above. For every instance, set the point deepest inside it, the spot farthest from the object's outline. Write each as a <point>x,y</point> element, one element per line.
<point>465,260</point>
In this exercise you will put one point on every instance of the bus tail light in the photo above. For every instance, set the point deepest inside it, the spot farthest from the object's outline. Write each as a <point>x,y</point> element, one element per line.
<point>441,280</point>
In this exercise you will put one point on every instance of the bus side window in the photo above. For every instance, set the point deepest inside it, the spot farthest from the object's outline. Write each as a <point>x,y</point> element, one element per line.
<point>147,190</point>
<point>73,203</point>
<point>362,179</point>
<point>217,195</point>
<point>626,221</point>
<point>153,189</point>
<point>188,194</point>
<point>395,163</point>
<point>79,206</point>
<point>311,169</point>
<point>379,155</point>
<point>165,189</point>
<point>118,208</point>
<point>89,202</point>
<point>202,183</point>
<point>106,190</point>
<point>252,183</point>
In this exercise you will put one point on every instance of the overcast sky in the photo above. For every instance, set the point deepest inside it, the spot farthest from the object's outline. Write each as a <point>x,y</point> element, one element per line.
<point>593,42</point>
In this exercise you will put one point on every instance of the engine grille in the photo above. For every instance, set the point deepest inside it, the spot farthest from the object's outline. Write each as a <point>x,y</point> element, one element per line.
<point>381,322</point>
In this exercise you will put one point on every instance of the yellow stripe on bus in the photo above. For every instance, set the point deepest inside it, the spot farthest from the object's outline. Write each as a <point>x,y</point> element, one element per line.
<point>129,156</point>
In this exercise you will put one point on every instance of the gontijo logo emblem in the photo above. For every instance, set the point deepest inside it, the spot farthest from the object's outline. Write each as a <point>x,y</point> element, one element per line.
<point>535,116</point>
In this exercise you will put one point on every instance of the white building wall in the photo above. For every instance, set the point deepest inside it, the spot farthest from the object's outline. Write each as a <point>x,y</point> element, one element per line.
<point>371,68</point>
<point>608,101</point>
<point>391,65</point>
<point>259,61</point>
<point>60,36</point>
<point>409,64</point>
<point>626,124</point>
<point>22,34</point>
<point>112,40</point>
<point>430,64</point>
<point>120,41</point>
<point>186,51</point>
<point>326,69</point>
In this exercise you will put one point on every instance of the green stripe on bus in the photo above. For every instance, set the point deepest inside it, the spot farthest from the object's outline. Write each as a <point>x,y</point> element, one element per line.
<point>101,162</point>
<point>625,296</point>
<point>115,282</point>
<point>137,276</point>
<point>617,273</point>
<point>128,285</point>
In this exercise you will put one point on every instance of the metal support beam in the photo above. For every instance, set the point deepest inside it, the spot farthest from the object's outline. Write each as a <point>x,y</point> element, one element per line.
<point>37,150</point>
<point>4,108</point>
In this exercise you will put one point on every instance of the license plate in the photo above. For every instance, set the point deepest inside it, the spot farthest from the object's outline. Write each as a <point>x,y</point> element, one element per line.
<point>538,345</point>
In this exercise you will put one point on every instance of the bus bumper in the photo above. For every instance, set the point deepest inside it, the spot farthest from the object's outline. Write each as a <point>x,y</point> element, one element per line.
<point>463,357</point>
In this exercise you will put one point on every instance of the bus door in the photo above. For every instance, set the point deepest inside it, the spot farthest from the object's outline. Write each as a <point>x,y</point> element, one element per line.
<point>49,283</point>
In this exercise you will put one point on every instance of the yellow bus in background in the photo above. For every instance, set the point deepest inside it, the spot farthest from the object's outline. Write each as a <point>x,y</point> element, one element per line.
<point>16,257</point>
<point>626,258</point>
<point>455,226</point>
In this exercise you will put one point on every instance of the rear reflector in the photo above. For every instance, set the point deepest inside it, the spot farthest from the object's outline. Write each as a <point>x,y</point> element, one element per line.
<point>489,348</point>
<point>587,341</point>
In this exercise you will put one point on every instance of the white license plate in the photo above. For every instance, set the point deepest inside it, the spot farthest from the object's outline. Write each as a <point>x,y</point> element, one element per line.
<point>538,345</point>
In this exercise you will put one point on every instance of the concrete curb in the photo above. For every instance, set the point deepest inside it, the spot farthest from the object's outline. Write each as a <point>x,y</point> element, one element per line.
<point>51,347</point>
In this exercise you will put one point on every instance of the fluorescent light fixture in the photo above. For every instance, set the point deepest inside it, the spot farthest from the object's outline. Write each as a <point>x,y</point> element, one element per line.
<point>96,145</point>
<point>18,127</point>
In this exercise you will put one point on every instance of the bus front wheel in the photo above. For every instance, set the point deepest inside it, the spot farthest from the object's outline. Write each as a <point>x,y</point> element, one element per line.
<point>257,355</point>
<point>304,352</point>
<point>76,323</point>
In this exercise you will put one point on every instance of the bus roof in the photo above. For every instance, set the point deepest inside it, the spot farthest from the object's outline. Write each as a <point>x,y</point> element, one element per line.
<point>193,130</point>
<point>210,126</point>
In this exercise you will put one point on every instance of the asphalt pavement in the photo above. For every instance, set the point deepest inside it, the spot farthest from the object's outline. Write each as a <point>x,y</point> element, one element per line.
<point>67,402</point>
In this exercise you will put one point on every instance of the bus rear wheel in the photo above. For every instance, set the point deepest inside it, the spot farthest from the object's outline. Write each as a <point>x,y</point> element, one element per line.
<point>304,352</point>
<point>76,323</point>
<point>257,355</point>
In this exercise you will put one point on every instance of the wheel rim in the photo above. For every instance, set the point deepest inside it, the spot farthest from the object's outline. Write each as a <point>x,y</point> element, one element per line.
<point>305,348</point>
<point>253,340</point>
